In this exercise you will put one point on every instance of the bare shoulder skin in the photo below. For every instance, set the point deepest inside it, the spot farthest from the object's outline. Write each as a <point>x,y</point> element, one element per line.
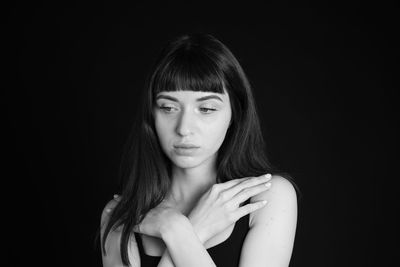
<point>270,239</point>
<point>112,246</point>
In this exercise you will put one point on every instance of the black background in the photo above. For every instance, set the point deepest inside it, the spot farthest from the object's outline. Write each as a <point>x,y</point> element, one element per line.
<point>324,82</point>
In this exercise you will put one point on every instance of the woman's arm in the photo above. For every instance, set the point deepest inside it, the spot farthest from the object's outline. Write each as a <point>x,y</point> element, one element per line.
<point>217,209</point>
<point>270,239</point>
<point>112,246</point>
<point>183,246</point>
<point>178,235</point>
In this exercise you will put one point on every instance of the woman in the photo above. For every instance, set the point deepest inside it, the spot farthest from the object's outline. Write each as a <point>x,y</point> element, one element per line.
<point>197,181</point>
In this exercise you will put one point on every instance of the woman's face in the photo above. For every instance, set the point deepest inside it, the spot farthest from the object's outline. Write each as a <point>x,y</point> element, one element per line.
<point>191,126</point>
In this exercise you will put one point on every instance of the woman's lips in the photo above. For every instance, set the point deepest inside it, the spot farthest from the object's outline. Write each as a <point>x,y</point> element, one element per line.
<point>185,146</point>
<point>185,149</point>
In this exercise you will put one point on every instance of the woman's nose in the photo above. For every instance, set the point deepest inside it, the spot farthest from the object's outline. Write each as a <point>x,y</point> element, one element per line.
<point>185,124</point>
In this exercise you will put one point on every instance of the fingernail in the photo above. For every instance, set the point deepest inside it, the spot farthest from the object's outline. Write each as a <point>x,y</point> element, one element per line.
<point>268,184</point>
<point>115,196</point>
<point>268,176</point>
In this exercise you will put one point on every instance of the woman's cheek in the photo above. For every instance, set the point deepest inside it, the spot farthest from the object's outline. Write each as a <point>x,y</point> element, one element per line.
<point>216,133</point>
<point>163,133</point>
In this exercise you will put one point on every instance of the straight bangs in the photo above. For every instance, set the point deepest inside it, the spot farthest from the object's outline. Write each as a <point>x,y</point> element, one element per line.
<point>188,72</point>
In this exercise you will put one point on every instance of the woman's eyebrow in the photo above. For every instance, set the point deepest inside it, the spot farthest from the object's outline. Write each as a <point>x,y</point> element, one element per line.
<point>209,97</point>
<point>198,99</point>
<point>167,97</point>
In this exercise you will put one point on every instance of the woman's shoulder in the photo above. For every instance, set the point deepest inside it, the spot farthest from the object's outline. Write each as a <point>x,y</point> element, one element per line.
<point>108,208</point>
<point>281,196</point>
<point>279,184</point>
<point>283,183</point>
<point>112,244</point>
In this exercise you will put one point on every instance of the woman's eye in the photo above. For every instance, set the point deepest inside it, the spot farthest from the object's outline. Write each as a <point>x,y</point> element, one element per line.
<point>207,110</point>
<point>167,109</point>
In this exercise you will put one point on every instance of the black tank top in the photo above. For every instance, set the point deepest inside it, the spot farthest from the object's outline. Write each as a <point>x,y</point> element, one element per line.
<point>225,254</point>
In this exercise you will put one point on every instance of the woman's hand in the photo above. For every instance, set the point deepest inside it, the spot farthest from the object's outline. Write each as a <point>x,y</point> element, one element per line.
<point>159,220</point>
<point>220,207</point>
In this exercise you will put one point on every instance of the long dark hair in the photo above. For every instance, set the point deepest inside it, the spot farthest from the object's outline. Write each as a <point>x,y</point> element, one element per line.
<point>196,62</point>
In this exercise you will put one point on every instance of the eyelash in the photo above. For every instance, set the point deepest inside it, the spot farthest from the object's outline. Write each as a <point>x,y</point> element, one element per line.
<point>166,109</point>
<point>203,110</point>
<point>208,109</point>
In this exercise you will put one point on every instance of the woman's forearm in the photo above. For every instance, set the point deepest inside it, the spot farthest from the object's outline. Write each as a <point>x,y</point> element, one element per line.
<point>183,247</point>
<point>166,260</point>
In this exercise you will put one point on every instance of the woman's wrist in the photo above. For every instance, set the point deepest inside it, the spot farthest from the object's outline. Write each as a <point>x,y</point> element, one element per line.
<point>184,246</point>
<point>201,234</point>
<point>174,226</point>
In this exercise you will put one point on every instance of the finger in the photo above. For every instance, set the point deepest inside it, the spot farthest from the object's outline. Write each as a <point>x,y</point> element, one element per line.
<point>233,182</point>
<point>249,208</point>
<point>108,210</point>
<point>250,182</point>
<point>249,192</point>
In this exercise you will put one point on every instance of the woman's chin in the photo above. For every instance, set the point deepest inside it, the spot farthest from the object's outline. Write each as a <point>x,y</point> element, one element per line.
<point>185,162</point>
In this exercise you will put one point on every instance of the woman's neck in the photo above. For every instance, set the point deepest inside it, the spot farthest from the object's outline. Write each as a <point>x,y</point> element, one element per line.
<point>188,185</point>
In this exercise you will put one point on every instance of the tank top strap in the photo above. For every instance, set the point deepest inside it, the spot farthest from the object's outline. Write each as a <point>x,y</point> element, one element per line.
<point>139,243</point>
